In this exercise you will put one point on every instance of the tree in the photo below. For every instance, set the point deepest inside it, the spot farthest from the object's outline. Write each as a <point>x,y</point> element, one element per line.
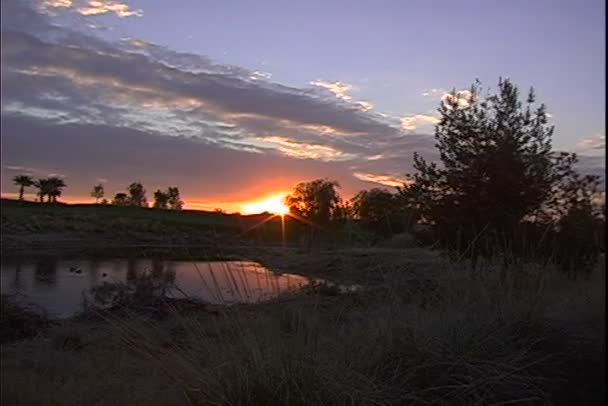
<point>314,201</point>
<point>498,169</point>
<point>137,195</point>
<point>23,181</point>
<point>43,186</point>
<point>97,192</point>
<point>50,187</point>
<point>161,199</point>
<point>381,212</point>
<point>317,203</point>
<point>120,199</point>
<point>174,200</point>
<point>55,185</point>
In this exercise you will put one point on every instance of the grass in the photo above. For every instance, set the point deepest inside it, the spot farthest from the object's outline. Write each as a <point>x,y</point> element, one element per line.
<point>449,336</point>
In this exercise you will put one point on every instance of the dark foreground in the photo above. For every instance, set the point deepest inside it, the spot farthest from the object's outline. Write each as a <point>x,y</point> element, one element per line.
<point>423,331</point>
<point>442,337</point>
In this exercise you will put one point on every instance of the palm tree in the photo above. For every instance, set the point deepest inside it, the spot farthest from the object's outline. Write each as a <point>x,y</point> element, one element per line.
<point>50,187</point>
<point>23,181</point>
<point>43,186</point>
<point>56,184</point>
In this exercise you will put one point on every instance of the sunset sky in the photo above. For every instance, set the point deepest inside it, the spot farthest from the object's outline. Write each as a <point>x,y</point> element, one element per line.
<point>237,101</point>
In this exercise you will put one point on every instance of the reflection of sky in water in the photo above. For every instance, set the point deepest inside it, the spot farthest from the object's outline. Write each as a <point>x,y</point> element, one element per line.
<point>50,284</point>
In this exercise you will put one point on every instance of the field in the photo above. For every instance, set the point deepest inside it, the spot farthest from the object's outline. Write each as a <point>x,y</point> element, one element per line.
<point>423,330</point>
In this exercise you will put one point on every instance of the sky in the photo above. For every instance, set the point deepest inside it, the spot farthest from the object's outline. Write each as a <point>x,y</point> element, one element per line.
<point>235,102</point>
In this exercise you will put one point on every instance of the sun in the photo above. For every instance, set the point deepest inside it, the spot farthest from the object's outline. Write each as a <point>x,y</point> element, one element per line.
<point>273,204</point>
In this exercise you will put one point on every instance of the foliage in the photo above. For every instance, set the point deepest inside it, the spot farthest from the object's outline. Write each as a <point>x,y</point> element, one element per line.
<point>97,192</point>
<point>160,199</point>
<point>498,169</point>
<point>316,201</point>
<point>382,212</point>
<point>23,181</point>
<point>120,199</point>
<point>168,200</point>
<point>50,187</point>
<point>174,200</point>
<point>137,195</point>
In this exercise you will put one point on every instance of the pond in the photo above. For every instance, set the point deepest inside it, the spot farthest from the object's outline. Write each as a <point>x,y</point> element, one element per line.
<point>58,286</point>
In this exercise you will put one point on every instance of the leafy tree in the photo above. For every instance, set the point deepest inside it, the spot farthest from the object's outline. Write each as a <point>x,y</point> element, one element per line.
<point>120,199</point>
<point>174,200</point>
<point>97,192</point>
<point>161,200</point>
<point>498,169</point>
<point>315,201</point>
<point>137,195</point>
<point>381,212</point>
<point>23,181</point>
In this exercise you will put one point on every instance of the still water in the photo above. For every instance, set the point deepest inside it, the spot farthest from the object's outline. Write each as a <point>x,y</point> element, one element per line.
<point>58,286</point>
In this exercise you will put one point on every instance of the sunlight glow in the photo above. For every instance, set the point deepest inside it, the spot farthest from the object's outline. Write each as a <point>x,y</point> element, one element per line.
<point>273,204</point>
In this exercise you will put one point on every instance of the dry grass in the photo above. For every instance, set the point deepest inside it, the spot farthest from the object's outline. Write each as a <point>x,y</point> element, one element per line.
<point>446,337</point>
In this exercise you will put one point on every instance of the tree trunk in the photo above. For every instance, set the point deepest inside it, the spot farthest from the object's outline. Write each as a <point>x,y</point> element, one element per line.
<point>21,193</point>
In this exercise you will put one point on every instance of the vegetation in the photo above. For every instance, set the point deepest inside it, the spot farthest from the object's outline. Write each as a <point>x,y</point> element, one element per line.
<point>382,212</point>
<point>97,192</point>
<point>427,327</point>
<point>498,173</point>
<point>23,181</point>
<point>137,195</point>
<point>168,200</point>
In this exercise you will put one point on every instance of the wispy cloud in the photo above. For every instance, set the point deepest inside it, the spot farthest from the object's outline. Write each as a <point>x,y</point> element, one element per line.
<point>339,89</point>
<point>380,179</point>
<point>433,92</point>
<point>97,7</point>
<point>411,122</point>
<point>594,145</point>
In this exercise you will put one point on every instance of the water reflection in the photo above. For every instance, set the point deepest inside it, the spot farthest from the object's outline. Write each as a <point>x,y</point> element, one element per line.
<point>46,272</point>
<point>58,285</point>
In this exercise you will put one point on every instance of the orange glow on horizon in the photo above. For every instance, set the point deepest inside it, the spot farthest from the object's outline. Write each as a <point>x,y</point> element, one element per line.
<point>272,204</point>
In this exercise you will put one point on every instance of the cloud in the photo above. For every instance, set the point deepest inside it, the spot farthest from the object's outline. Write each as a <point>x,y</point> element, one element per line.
<point>594,145</point>
<point>432,92</point>
<point>411,122</point>
<point>339,89</point>
<point>381,179</point>
<point>304,150</point>
<point>132,109</point>
<point>462,97</point>
<point>97,7</point>
<point>363,105</point>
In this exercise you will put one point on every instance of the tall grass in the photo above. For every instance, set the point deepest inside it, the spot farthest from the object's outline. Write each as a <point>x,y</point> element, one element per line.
<point>449,336</point>
<point>458,337</point>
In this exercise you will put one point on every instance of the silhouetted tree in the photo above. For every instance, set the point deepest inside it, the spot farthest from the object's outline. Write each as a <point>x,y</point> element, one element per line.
<point>160,200</point>
<point>382,212</point>
<point>317,203</point>
<point>174,200</point>
<point>120,199</point>
<point>43,186</point>
<point>498,169</point>
<point>137,195</point>
<point>97,192</point>
<point>314,201</point>
<point>23,181</point>
<point>56,185</point>
<point>50,187</point>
